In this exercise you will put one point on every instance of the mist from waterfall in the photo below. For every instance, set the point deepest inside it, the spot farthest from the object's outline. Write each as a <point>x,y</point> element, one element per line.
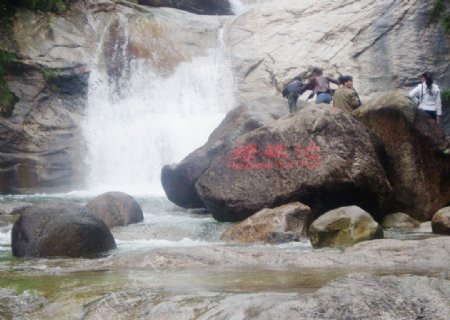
<point>138,120</point>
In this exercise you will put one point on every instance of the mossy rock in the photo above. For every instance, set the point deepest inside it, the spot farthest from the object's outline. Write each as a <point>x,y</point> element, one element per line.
<point>344,227</point>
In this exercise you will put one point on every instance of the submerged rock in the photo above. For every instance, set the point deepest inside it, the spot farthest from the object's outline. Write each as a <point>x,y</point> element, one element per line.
<point>399,220</point>
<point>344,227</point>
<point>320,157</point>
<point>19,306</point>
<point>116,209</point>
<point>417,167</point>
<point>440,223</point>
<point>59,229</point>
<point>282,224</point>
<point>178,180</point>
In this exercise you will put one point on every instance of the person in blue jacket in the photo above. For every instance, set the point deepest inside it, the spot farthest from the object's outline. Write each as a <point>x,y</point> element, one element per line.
<point>291,92</point>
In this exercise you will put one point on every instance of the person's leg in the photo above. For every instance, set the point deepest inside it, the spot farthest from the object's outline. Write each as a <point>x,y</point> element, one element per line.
<point>292,100</point>
<point>323,98</point>
<point>432,114</point>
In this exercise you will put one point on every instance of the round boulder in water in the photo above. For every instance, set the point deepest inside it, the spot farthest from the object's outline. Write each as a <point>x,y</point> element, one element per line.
<point>116,209</point>
<point>440,223</point>
<point>400,220</point>
<point>282,224</point>
<point>59,229</point>
<point>344,227</point>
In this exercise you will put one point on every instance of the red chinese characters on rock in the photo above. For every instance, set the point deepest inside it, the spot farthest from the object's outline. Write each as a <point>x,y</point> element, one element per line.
<point>274,156</point>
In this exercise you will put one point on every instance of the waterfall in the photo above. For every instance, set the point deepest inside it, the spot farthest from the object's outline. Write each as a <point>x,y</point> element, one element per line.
<point>139,120</point>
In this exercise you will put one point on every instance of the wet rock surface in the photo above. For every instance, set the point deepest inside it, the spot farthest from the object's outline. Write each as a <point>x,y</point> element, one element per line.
<point>116,209</point>
<point>382,253</point>
<point>356,296</point>
<point>282,224</point>
<point>59,229</point>
<point>19,306</point>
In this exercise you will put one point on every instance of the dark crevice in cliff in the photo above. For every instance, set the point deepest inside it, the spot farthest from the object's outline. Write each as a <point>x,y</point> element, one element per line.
<point>399,20</point>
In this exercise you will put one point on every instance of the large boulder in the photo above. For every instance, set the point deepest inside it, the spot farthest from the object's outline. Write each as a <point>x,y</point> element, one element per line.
<point>282,224</point>
<point>204,7</point>
<point>59,229</point>
<point>417,167</point>
<point>344,227</point>
<point>440,223</point>
<point>178,180</point>
<point>116,209</point>
<point>321,157</point>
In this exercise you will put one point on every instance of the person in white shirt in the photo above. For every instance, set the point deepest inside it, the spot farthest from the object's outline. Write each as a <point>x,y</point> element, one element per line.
<point>428,96</point>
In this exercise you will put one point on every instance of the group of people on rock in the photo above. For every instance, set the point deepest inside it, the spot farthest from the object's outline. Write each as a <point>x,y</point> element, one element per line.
<point>426,95</point>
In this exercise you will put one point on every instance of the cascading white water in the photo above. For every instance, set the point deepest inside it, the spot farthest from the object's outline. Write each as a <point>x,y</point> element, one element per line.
<point>138,121</point>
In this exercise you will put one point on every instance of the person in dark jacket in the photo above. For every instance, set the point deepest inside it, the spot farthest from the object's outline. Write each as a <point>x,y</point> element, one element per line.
<point>320,85</point>
<point>291,92</point>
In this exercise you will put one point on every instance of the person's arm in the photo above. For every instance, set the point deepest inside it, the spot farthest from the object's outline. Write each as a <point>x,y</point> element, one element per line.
<point>306,87</point>
<point>438,106</point>
<point>414,94</point>
<point>354,100</point>
<point>438,103</point>
<point>335,81</point>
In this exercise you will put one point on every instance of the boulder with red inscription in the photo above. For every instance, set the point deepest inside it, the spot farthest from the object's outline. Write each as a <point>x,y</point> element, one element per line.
<point>321,157</point>
<point>178,180</point>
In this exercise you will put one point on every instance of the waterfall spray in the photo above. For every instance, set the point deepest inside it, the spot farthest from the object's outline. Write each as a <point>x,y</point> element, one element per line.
<point>138,120</point>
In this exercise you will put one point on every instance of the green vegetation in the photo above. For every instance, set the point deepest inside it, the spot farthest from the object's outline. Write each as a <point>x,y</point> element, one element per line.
<point>7,98</point>
<point>441,13</point>
<point>56,6</point>
<point>445,97</point>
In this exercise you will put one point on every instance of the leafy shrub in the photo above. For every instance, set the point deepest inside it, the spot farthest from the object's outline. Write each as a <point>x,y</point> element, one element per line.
<point>445,97</point>
<point>7,98</point>
<point>56,6</point>
<point>441,13</point>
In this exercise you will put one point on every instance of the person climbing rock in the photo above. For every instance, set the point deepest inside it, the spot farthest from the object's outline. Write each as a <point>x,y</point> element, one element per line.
<point>346,98</point>
<point>291,92</point>
<point>320,85</point>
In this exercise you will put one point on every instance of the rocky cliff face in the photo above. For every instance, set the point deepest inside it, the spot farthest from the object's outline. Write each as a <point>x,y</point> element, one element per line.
<point>42,143</point>
<point>383,44</point>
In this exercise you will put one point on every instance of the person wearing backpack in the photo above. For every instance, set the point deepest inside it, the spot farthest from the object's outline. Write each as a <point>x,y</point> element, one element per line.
<point>291,92</point>
<point>428,96</point>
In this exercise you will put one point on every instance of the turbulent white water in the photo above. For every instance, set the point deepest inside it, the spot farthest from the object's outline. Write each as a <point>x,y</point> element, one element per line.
<point>142,120</point>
